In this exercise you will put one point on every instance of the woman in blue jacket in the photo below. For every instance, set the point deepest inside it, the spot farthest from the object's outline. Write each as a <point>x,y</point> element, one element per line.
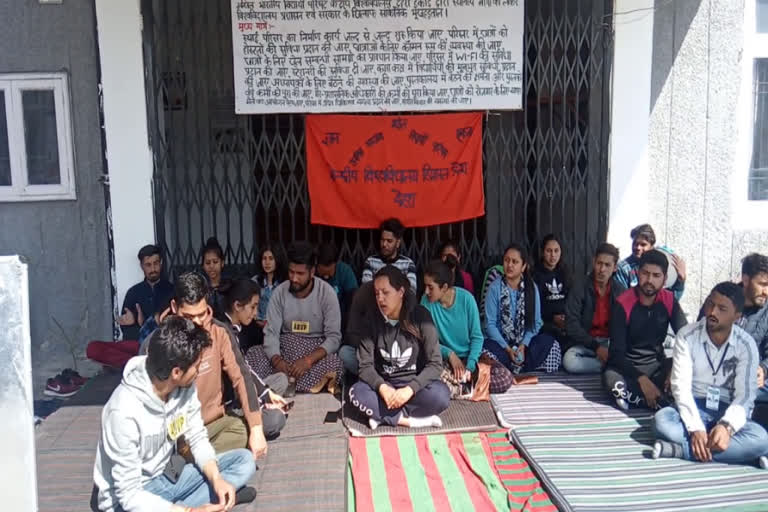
<point>513,319</point>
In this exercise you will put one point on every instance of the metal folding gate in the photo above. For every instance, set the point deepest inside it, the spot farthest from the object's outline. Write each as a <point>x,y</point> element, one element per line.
<point>243,178</point>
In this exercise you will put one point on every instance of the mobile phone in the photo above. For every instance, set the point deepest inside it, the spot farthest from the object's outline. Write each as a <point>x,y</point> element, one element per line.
<point>175,466</point>
<point>288,406</point>
<point>331,417</point>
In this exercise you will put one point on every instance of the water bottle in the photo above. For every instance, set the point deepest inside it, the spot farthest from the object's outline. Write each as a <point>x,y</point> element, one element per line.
<point>519,357</point>
<point>291,390</point>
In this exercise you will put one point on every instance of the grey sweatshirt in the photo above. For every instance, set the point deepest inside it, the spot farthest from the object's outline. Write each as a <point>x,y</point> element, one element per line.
<point>316,315</point>
<point>135,445</point>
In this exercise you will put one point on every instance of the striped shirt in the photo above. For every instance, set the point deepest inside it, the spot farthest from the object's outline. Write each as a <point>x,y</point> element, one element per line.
<point>697,366</point>
<point>403,263</point>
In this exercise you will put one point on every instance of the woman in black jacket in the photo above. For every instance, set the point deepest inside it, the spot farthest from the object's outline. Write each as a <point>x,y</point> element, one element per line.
<point>553,280</point>
<point>400,361</point>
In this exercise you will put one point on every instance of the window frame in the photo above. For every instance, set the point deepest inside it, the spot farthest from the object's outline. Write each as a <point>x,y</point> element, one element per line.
<point>755,121</point>
<point>13,85</point>
<point>747,214</point>
<point>756,46</point>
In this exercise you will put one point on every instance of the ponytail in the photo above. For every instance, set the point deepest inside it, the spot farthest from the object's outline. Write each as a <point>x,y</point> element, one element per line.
<point>240,291</point>
<point>443,272</point>
<point>212,245</point>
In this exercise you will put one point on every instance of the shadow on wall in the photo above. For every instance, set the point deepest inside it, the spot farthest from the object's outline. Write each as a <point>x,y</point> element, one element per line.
<point>671,21</point>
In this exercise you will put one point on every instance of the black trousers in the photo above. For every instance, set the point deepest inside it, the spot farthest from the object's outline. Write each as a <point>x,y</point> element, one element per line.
<point>629,389</point>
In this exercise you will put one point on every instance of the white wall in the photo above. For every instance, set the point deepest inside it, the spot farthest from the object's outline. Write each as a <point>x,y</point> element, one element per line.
<point>681,134</point>
<point>630,108</point>
<point>128,153</point>
<point>18,484</point>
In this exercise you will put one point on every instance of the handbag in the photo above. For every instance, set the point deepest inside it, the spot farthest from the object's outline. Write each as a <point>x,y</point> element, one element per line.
<point>482,389</point>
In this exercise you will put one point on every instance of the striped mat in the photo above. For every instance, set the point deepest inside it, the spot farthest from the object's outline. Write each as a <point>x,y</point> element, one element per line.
<point>525,491</point>
<point>607,467</point>
<point>559,399</point>
<point>452,472</point>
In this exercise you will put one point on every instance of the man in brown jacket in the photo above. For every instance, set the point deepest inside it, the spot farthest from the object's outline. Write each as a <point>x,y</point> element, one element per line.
<point>225,431</point>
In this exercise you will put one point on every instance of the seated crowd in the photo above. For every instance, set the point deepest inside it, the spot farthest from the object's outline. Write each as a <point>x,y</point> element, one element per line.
<point>221,354</point>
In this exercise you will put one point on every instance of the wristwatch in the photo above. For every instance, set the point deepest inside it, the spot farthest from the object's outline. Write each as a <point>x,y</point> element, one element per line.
<point>727,426</point>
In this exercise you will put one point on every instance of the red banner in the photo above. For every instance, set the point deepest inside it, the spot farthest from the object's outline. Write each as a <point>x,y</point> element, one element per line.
<point>424,170</point>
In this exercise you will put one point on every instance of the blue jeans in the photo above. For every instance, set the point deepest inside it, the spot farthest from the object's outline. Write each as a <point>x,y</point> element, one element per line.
<point>192,489</point>
<point>580,359</point>
<point>348,356</point>
<point>746,446</point>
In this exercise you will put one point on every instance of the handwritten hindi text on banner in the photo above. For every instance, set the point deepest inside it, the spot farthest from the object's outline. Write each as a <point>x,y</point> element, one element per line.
<point>377,55</point>
<point>423,169</point>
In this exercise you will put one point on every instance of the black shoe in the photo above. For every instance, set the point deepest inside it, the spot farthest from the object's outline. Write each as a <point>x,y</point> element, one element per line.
<point>245,495</point>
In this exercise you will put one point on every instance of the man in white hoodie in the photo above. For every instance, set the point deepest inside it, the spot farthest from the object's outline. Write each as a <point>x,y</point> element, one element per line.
<point>137,468</point>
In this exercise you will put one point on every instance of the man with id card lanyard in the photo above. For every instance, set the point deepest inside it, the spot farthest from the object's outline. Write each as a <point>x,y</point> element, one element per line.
<point>713,383</point>
<point>754,318</point>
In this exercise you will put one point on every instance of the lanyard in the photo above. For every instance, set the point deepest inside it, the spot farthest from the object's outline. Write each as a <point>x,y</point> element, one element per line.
<point>722,359</point>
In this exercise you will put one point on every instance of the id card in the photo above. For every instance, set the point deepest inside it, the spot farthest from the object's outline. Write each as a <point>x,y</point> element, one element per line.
<point>299,327</point>
<point>177,426</point>
<point>713,398</point>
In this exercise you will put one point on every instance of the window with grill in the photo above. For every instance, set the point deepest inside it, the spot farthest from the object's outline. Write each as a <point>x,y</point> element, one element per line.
<point>762,16</point>
<point>758,172</point>
<point>36,154</point>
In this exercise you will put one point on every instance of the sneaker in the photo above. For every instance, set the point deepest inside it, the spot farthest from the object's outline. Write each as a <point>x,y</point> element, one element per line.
<point>74,377</point>
<point>667,450</point>
<point>59,386</point>
<point>622,404</point>
<point>657,449</point>
<point>245,495</point>
<point>763,461</point>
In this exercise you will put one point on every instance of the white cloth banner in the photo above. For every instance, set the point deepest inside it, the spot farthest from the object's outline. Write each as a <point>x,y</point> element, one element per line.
<point>377,55</point>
